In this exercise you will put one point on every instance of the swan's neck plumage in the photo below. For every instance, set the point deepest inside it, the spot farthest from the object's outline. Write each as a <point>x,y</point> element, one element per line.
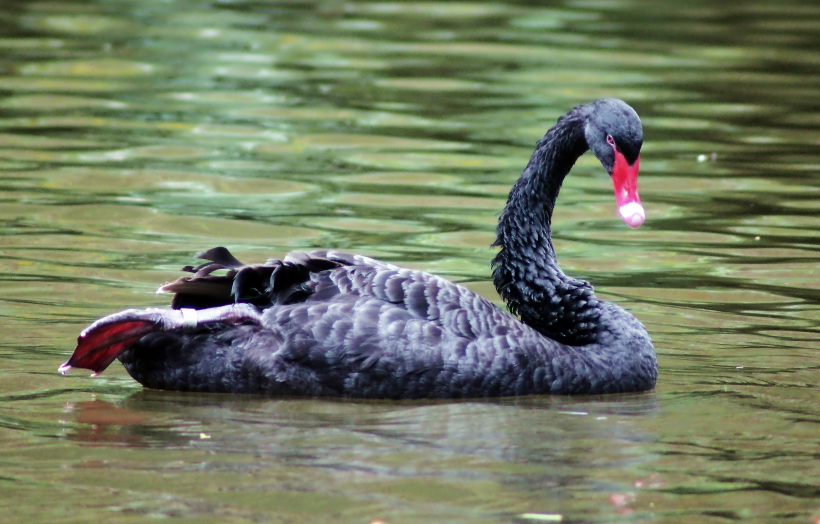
<point>525,271</point>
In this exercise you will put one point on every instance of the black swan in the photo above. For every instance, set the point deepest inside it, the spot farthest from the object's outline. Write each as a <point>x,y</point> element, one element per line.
<point>332,324</point>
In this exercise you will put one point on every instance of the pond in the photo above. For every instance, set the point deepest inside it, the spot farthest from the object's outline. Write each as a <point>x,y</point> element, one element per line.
<point>137,133</point>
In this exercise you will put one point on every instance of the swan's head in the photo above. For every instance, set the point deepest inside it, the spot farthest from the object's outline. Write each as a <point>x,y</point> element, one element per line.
<point>614,134</point>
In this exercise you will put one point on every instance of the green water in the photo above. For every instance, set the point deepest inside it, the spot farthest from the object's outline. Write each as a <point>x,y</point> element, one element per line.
<point>134,134</point>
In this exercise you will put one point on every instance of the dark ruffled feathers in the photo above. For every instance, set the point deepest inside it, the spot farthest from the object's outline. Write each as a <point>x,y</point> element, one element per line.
<point>263,285</point>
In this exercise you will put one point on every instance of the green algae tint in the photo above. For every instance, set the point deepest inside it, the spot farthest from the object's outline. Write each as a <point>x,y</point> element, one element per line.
<point>135,134</point>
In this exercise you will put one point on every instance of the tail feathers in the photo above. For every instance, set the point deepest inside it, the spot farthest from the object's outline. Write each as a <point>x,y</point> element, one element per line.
<point>109,337</point>
<point>106,339</point>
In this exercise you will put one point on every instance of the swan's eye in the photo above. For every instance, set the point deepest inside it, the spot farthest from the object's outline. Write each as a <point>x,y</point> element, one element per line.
<point>610,140</point>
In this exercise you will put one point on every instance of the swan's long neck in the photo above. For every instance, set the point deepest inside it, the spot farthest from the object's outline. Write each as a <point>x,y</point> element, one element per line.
<point>525,271</point>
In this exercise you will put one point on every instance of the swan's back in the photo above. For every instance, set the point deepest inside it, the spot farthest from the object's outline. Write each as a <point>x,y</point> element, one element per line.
<point>334,324</point>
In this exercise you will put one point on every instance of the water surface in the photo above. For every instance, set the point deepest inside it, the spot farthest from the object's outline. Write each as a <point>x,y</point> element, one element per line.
<point>134,134</point>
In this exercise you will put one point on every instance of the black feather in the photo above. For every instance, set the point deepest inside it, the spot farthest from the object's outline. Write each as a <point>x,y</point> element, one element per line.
<point>221,256</point>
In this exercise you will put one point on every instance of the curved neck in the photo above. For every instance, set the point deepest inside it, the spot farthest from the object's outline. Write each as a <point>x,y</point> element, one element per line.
<point>525,271</point>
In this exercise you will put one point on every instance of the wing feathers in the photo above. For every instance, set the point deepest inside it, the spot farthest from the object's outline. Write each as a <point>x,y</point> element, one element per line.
<point>329,277</point>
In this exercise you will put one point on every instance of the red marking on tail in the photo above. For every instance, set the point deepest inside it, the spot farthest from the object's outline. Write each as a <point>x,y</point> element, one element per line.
<point>100,346</point>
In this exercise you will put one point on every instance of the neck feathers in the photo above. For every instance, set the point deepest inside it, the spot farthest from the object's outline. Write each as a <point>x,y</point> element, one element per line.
<point>525,271</point>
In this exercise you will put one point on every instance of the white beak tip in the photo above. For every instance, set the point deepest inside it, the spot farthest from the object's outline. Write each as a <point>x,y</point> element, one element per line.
<point>633,214</point>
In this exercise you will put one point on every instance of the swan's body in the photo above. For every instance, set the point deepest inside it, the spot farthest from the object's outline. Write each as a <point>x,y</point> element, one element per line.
<point>333,324</point>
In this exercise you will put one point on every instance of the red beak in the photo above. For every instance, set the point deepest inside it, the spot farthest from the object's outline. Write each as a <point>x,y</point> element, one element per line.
<point>625,179</point>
